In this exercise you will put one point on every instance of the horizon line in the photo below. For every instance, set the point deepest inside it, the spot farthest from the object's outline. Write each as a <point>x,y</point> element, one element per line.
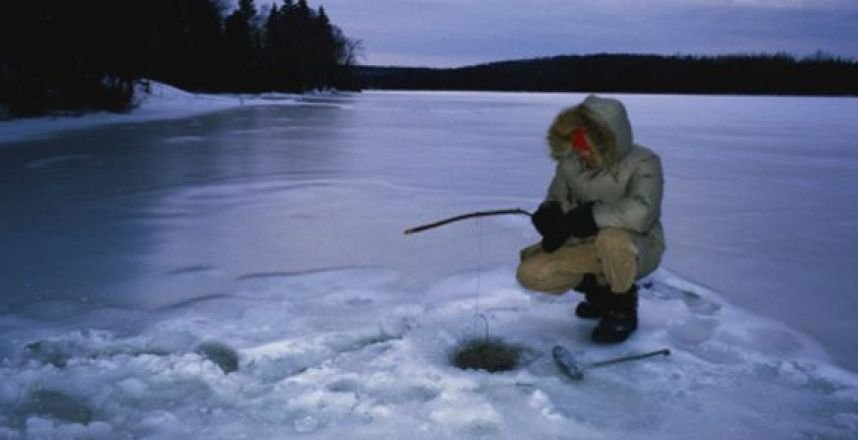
<point>818,55</point>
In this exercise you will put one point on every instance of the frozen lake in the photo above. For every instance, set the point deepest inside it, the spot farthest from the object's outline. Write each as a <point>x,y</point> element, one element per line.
<point>760,198</point>
<point>123,226</point>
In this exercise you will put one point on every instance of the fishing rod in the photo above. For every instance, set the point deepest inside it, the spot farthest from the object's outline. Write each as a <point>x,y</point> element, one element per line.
<point>445,221</point>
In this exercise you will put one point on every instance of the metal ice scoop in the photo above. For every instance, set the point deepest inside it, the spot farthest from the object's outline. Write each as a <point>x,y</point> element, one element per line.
<point>575,371</point>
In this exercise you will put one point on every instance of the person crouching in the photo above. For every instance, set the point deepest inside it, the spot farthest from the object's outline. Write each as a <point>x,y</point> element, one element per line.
<point>600,222</point>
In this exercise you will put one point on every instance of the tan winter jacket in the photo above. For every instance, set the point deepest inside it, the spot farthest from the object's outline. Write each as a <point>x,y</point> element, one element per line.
<point>626,188</point>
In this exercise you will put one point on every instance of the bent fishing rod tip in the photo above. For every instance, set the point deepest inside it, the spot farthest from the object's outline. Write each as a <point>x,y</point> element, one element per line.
<point>445,221</point>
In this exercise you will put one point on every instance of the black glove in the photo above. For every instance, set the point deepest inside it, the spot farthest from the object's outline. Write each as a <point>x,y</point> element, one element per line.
<point>578,222</point>
<point>551,243</point>
<point>548,218</point>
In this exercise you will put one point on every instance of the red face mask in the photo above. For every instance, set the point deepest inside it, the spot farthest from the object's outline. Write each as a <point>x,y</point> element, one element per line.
<point>579,141</point>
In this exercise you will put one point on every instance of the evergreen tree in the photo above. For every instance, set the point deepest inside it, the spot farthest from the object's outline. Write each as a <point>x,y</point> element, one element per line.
<point>71,56</point>
<point>204,42</point>
<point>304,11</point>
<point>241,46</point>
<point>324,50</point>
<point>272,47</point>
<point>289,76</point>
<point>299,22</point>
<point>182,42</point>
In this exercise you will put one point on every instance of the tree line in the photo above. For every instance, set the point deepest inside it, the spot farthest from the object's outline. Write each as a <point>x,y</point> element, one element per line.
<point>778,74</point>
<point>60,55</point>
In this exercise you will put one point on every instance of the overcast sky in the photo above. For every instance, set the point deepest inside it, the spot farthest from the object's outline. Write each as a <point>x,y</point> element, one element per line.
<point>445,33</point>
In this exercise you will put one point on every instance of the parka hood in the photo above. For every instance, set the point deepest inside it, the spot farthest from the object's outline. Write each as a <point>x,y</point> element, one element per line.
<point>605,120</point>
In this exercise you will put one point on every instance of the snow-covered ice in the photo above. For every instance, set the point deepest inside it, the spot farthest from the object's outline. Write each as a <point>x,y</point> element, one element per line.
<point>243,274</point>
<point>154,101</point>
<point>343,353</point>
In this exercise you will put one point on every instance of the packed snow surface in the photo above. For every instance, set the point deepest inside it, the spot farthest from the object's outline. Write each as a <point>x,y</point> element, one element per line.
<point>242,273</point>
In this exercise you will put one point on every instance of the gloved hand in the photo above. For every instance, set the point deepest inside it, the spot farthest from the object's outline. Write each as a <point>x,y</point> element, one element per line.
<point>551,243</point>
<point>548,218</point>
<point>578,222</point>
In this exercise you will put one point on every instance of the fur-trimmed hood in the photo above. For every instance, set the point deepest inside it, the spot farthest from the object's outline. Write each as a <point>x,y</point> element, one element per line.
<point>605,120</point>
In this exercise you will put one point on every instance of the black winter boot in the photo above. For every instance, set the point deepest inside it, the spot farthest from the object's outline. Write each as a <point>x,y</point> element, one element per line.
<point>591,307</point>
<point>620,318</point>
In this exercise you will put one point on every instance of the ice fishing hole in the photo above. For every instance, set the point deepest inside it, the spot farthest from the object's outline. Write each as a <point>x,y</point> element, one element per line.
<point>492,355</point>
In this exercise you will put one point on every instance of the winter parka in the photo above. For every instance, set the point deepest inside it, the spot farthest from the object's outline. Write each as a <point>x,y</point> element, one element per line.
<point>626,188</point>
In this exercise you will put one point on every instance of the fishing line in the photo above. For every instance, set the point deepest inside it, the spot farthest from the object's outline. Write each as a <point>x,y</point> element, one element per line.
<point>518,211</point>
<point>479,261</point>
<point>477,312</point>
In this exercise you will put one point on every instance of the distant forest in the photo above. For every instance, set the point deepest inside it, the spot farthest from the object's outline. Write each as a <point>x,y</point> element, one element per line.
<point>778,74</point>
<point>70,56</point>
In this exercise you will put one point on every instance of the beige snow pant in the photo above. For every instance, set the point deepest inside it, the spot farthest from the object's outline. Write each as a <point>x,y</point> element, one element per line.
<point>615,256</point>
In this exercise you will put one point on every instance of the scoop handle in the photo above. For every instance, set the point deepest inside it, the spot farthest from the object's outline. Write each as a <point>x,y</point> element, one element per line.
<point>634,357</point>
